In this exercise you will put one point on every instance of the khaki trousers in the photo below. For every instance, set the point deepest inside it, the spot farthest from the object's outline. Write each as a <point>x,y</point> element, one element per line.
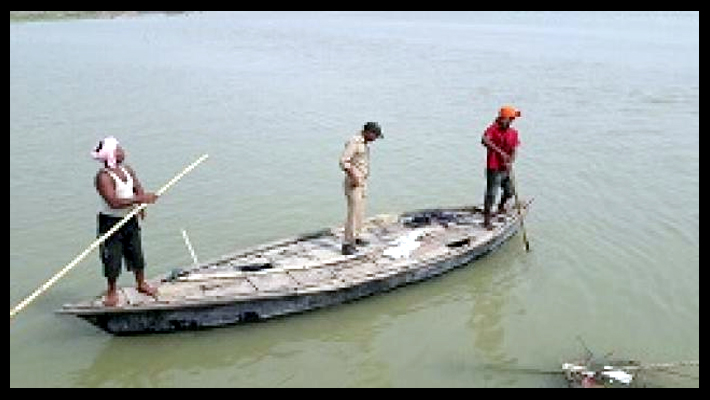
<point>356,211</point>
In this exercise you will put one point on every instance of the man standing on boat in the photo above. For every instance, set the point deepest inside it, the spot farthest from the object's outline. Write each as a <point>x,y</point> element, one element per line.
<point>502,142</point>
<point>120,190</point>
<point>355,162</point>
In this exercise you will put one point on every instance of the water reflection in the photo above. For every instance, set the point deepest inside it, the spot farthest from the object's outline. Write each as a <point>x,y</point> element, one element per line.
<point>316,348</point>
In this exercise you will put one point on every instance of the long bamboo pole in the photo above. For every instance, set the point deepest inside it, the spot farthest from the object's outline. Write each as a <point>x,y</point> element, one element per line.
<point>518,205</point>
<point>97,242</point>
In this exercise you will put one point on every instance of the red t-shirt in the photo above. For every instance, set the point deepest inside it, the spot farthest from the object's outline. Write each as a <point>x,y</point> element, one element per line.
<point>506,140</point>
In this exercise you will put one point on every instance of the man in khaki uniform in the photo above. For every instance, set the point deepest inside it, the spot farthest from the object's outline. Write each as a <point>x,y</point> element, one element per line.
<point>355,161</point>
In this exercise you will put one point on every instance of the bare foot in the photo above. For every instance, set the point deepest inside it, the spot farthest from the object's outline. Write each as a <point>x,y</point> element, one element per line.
<point>147,289</point>
<point>111,299</point>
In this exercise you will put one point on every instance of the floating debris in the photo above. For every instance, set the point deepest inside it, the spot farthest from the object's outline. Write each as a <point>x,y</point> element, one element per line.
<point>604,373</point>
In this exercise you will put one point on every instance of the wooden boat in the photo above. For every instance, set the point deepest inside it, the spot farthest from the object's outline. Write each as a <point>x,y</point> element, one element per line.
<point>305,272</point>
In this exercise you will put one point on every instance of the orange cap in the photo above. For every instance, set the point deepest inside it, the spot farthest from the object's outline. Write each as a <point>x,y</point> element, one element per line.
<point>508,112</point>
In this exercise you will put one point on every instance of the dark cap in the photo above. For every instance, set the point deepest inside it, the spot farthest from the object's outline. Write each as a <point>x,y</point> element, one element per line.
<point>374,127</point>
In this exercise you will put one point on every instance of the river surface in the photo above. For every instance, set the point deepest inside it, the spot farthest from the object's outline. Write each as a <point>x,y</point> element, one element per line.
<point>610,154</point>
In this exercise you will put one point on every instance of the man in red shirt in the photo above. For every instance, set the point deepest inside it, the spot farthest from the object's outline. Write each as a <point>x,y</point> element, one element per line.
<point>502,142</point>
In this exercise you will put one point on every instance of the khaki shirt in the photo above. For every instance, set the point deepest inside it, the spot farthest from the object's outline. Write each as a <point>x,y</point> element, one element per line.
<point>356,156</point>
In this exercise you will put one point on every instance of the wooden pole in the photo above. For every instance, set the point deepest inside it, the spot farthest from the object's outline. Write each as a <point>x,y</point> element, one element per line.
<point>518,205</point>
<point>189,247</point>
<point>97,242</point>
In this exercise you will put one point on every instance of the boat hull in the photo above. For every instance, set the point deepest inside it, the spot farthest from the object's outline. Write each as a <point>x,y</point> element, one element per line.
<point>214,314</point>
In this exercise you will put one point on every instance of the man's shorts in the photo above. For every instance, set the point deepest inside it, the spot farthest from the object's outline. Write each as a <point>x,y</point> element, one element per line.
<point>124,243</point>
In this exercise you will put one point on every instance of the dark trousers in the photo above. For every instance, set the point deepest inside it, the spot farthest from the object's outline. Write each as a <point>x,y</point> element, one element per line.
<point>124,243</point>
<point>494,180</point>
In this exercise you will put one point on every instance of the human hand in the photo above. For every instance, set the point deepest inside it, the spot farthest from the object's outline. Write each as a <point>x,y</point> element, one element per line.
<point>506,158</point>
<point>148,198</point>
<point>355,182</point>
<point>355,179</point>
